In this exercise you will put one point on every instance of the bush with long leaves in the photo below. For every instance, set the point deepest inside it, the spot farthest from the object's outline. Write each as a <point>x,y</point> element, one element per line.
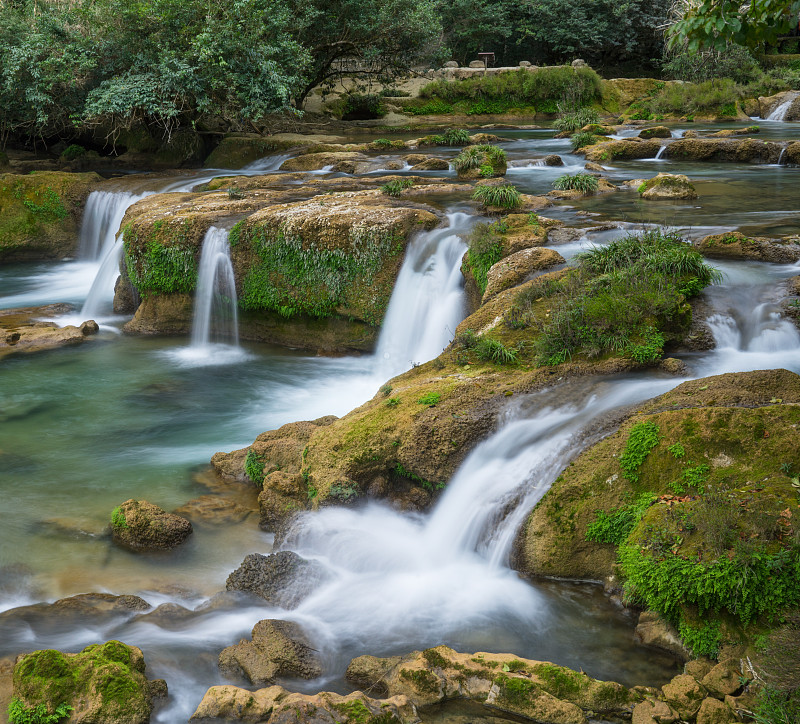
<point>505,196</point>
<point>584,182</point>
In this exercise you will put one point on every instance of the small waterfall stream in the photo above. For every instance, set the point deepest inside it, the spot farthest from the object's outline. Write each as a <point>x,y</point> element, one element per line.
<point>779,114</point>
<point>427,303</point>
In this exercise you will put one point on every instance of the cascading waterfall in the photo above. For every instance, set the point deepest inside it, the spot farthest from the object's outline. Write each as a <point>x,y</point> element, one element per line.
<point>661,152</point>
<point>779,114</point>
<point>215,300</point>
<point>99,242</point>
<point>427,303</point>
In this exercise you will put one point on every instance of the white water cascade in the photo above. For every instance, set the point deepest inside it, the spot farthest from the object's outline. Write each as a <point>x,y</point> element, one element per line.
<point>661,152</point>
<point>427,303</point>
<point>779,114</point>
<point>99,242</point>
<point>215,300</point>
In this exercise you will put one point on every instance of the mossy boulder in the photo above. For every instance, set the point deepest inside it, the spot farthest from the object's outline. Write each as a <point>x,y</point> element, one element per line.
<point>625,149</point>
<point>276,704</point>
<point>669,187</point>
<point>655,132</point>
<point>482,161</point>
<point>674,492</point>
<point>793,153</point>
<point>735,245</point>
<point>103,683</point>
<point>40,214</point>
<point>535,690</point>
<point>142,526</point>
<point>278,648</point>
<point>747,150</point>
<point>336,255</point>
<point>517,267</point>
<point>343,161</point>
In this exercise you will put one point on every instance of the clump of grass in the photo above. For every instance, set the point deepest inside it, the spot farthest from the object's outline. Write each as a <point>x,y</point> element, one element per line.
<point>469,158</point>
<point>430,399</point>
<point>396,187</point>
<point>455,137</point>
<point>382,143</point>
<point>492,350</point>
<point>572,121</point>
<point>505,196</point>
<point>627,298</point>
<point>584,138</point>
<point>484,249</point>
<point>583,182</point>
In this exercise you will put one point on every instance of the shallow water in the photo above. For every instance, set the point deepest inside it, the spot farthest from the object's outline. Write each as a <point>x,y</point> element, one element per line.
<point>85,428</point>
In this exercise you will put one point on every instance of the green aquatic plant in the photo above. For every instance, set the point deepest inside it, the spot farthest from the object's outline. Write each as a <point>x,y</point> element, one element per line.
<point>18,713</point>
<point>504,196</point>
<point>397,186</point>
<point>584,182</point>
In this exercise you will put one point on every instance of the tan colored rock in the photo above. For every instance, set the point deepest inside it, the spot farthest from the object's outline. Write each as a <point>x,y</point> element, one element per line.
<point>214,509</point>
<point>735,245</point>
<point>278,648</point>
<point>723,679</point>
<point>655,132</point>
<point>684,695</point>
<point>142,526</point>
<point>652,630</point>
<point>432,164</point>
<point>747,150</point>
<point>514,269</point>
<point>536,705</point>
<point>317,161</point>
<point>622,150</point>
<point>668,186</point>
<point>698,668</point>
<point>769,104</point>
<point>276,704</point>
<point>653,711</point>
<point>713,711</point>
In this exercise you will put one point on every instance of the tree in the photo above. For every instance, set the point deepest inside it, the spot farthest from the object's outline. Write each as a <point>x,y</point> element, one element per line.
<point>364,38</point>
<point>714,24</point>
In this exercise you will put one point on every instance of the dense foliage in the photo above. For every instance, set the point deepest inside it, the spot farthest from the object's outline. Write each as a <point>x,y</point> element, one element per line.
<point>166,64</point>
<point>548,31</point>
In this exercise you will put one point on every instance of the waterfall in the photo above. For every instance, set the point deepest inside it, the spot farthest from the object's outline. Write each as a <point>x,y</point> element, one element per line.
<point>215,298</point>
<point>427,303</point>
<point>661,152</point>
<point>782,154</point>
<point>779,114</point>
<point>98,242</point>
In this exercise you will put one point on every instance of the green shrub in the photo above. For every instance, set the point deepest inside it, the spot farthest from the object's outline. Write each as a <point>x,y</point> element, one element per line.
<point>430,399</point>
<point>735,62</point>
<point>118,518</point>
<point>505,196</point>
<point>396,187</point>
<point>254,467</point>
<point>358,106</point>
<point>520,88</point>
<point>712,97</point>
<point>382,143</point>
<point>616,526</point>
<point>70,153</point>
<point>453,137</point>
<point>584,182</point>
<point>468,158</point>
<point>18,713</point>
<point>484,249</point>
<point>624,298</point>
<point>643,437</point>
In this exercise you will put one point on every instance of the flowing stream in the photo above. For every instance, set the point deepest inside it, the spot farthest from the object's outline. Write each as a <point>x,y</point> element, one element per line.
<point>84,428</point>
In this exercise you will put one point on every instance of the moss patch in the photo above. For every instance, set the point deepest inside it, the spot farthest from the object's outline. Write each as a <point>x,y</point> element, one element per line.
<point>40,213</point>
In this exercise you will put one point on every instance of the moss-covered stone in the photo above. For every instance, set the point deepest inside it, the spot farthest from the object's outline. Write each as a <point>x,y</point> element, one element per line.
<point>746,150</point>
<point>103,683</point>
<point>668,186</point>
<point>40,214</point>
<point>735,245</point>
<point>622,150</point>
<point>707,498</point>
<point>332,255</point>
<point>237,150</point>
<point>142,526</point>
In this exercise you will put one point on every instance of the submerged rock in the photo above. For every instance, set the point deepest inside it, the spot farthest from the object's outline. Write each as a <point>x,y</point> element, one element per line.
<point>24,331</point>
<point>276,705</point>
<point>142,526</point>
<point>282,579</point>
<point>278,648</point>
<point>102,683</point>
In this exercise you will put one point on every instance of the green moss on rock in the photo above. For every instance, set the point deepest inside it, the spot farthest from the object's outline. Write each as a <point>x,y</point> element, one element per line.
<point>40,214</point>
<point>102,683</point>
